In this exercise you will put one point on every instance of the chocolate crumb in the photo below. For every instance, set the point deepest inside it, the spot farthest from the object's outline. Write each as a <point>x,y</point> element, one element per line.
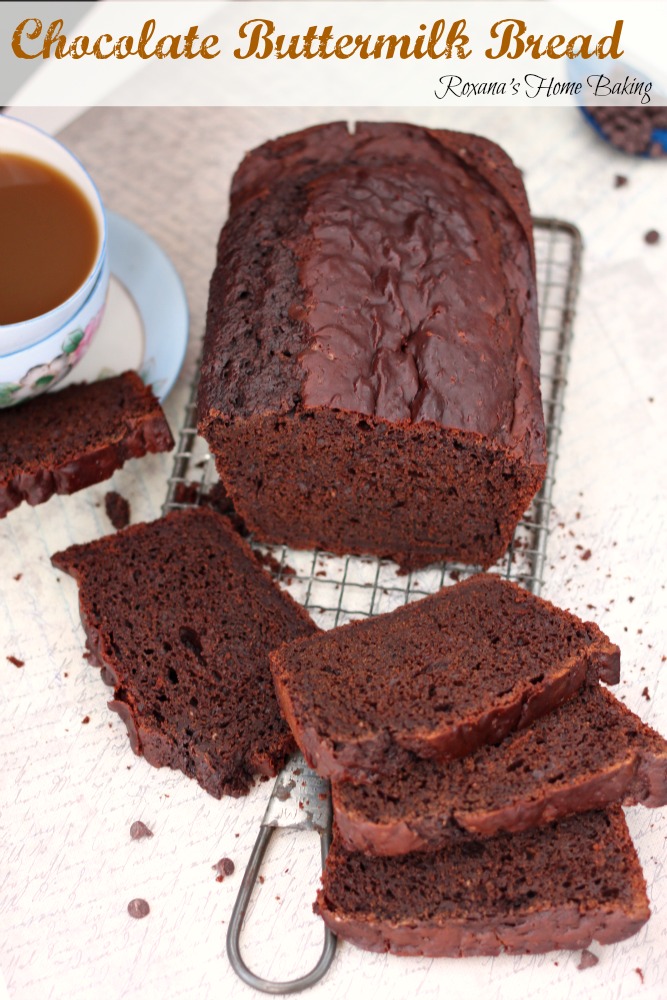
<point>139,830</point>
<point>272,564</point>
<point>267,560</point>
<point>631,599</point>
<point>138,908</point>
<point>225,866</point>
<point>15,660</point>
<point>18,577</point>
<point>620,180</point>
<point>117,508</point>
<point>261,879</point>
<point>186,493</point>
<point>645,694</point>
<point>585,555</point>
<point>587,960</point>
<point>85,720</point>
<point>652,236</point>
<point>640,974</point>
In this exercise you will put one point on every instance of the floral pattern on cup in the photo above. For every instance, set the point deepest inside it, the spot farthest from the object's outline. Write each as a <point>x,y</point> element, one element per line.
<point>43,377</point>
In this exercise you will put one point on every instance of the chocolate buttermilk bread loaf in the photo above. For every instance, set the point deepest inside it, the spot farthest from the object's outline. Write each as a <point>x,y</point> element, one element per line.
<point>180,617</point>
<point>439,677</point>
<point>62,441</point>
<point>587,754</point>
<point>371,362</point>
<point>559,886</point>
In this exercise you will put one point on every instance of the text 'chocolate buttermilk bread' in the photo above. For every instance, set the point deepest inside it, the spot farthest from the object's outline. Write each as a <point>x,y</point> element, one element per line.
<point>370,381</point>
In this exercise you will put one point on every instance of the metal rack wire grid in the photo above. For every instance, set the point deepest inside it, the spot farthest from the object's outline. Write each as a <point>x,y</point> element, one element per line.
<point>339,589</point>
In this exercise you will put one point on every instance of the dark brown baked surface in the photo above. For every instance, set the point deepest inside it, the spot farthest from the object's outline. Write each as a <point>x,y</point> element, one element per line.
<point>587,754</point>
<point>180,617</point>
<point>439,677</point>
<point>61,442</point>
<point>370,380</point>
<point>559,886</point>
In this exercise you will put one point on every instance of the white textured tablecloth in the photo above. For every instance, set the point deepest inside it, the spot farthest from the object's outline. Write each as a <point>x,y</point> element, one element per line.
<point>69,791</point>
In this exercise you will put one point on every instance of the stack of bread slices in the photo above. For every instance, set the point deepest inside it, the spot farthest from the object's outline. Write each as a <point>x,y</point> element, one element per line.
<point>478,769</point>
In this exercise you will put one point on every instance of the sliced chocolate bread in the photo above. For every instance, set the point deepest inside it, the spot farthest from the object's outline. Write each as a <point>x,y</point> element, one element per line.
<point>180,616</point>
<point>559,886</point>
<point>586,754</point>
<point>440,677</point>
<point>62,441</point>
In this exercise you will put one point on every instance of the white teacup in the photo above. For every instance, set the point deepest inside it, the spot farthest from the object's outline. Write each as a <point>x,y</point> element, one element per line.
<point>37,352</point>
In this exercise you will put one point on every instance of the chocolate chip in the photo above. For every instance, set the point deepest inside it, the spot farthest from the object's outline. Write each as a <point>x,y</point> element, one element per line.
<point>652,236</point>
<point>225,866</point>
<point>15,660</point>
<point>645,694</point>
<point>117,508</point>
<point>85,720</point>
<point>138,908</point>
<point>587,960</point>
<point>620,180</point>
<point>585,555</point>
<point>139,830</point>
<point>191,640</point>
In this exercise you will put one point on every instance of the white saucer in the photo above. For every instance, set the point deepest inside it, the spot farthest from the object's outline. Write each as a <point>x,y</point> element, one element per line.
<point>145,325</point>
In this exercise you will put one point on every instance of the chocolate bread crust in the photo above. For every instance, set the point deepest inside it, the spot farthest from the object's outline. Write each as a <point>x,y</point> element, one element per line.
<point>180,617</point>
<point>63,441</point>
<point>564,928</point>
<point>346,289</point>
<point>587,754</point>
<point>557,887</point>
<point>439,677</point>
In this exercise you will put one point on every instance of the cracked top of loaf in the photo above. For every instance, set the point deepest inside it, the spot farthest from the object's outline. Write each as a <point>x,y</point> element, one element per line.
<point>387,271</point>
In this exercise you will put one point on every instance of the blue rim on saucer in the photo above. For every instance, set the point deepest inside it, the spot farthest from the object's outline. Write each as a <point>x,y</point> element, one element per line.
<point>152,281</point>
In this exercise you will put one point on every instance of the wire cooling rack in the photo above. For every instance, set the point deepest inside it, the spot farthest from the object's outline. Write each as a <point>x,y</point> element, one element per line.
<point>335,589</point>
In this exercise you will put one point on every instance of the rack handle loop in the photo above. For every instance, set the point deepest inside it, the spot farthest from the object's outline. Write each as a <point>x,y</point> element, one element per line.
<point>238,916</point>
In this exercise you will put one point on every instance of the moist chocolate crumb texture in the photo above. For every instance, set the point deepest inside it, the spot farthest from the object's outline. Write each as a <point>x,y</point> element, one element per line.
<point>370,378</point>
<point>439,677</point>
<point>180,617</point>
<point>559,886</point>
<point>61,442</point>
<point>587,754</point>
